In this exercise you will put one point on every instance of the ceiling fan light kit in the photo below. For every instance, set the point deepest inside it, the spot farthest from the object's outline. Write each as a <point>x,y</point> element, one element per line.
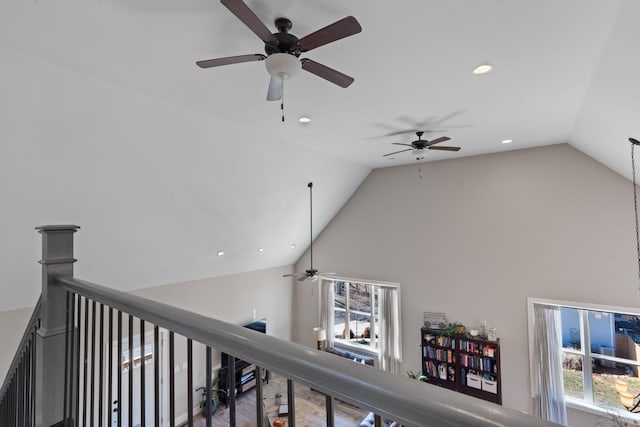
<point>282,65</point>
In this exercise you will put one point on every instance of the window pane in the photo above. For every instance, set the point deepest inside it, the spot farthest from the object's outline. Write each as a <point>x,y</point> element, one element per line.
<point>572,375</point>
<point>360,326</point>
<point>602,334</point>
<point>340,294</point>
<point>360,297</point>
<point>570,328</point>
<point>604,389</point>
<point>338,323</point>
<point>628,325</point>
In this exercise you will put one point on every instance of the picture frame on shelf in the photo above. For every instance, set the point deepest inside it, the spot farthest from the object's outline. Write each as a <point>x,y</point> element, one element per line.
<point>434,320</point>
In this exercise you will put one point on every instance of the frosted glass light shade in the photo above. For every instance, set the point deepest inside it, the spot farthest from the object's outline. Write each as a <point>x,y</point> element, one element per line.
<point>283,65</point>
<point>418,154</point>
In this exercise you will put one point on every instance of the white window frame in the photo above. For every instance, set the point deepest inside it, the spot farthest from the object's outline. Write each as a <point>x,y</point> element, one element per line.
<point>586,404</point>
<point>370,350</point>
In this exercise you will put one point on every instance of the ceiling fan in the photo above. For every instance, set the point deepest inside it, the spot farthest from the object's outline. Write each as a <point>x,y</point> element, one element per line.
<point>311,274</point>
<point>420,146</point>
<point>283,49</point>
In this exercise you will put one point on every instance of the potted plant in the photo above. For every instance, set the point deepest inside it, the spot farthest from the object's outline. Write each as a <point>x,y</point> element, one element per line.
<point>216,392</point>
<point>417,376</point>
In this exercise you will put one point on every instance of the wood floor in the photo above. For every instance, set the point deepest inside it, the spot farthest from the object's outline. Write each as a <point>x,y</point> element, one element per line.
<point>310,408</point>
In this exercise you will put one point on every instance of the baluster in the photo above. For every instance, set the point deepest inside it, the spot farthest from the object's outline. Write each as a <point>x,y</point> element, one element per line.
<point>231,386</point>
<point>110,371</point>
<point>156,375</point>
<point>259,412</point>
<point>119,372</point>
<point>76,397</point>
<point>85,361</point>
<point>189,382</point>
<point>130,394</point>
<point>172,395</point>
<point>329,404</point>
<point>101,367</point>
<point>208,383</point>
<point>291,403</point>
<point>67,356</point>
<point>142,376</point>
<point>93,362</point>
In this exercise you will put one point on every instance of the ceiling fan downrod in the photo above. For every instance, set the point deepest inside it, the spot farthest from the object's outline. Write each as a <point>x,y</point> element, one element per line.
<point>635,142</point>
<point>310,185</point>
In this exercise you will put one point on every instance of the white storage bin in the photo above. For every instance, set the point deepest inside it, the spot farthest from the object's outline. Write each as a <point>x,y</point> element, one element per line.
<point>490,386</point>
<point>474,381</point>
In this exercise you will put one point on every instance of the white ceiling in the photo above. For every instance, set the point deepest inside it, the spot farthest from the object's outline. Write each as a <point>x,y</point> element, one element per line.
<point>106,121</point>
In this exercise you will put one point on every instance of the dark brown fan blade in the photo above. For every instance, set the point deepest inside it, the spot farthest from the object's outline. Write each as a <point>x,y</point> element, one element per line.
<point>396,152</point>
<point>246,15</point>
<point>326,73</point>
<point>302,277</point>
<point>445,148</point>
<point>403,132</point>
<point>208,63</point>
<point>338,30</point>
<point>400,143</point>
<point>438,140</point>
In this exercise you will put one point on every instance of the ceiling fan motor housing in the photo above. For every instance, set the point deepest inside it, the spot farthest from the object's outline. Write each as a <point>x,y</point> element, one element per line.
<point>287,43</point>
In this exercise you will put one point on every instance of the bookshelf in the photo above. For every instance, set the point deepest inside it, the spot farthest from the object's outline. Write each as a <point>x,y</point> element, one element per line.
<point>469,365</point>
<point>245,379</point>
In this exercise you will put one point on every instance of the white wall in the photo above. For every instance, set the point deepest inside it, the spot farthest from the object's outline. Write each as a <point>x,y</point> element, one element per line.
<point>231,298</point>
<point>473,237</point>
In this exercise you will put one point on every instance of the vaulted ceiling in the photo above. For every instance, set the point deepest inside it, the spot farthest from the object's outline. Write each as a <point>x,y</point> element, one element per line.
<point>107,123</point>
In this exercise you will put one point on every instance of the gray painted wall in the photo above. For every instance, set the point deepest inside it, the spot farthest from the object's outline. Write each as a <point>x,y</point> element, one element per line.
<point>474,237</point>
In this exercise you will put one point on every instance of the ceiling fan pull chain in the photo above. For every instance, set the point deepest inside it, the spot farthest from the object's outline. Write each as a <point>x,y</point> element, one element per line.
<point>282,100</point>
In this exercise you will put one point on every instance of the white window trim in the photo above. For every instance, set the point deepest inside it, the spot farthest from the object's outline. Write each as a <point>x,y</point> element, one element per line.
<point>572,402</point>
<point>371,351</point>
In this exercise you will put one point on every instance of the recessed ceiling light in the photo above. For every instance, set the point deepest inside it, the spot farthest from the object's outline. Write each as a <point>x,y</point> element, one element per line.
<point>220,253</point>
<point>260,250</point>
<point>482,69</point>
<point>293,246</point>
<point>304,119</point>
<point>507,141</point>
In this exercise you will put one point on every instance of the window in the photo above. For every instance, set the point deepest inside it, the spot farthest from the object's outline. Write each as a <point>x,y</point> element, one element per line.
<point>599,347</point>
<point>356,322</point>
<point>364,317</point>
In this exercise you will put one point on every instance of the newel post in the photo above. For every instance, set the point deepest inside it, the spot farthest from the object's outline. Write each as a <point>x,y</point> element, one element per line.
<point>57,260</point>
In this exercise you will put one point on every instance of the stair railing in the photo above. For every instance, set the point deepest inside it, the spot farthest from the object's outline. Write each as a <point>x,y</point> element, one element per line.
<point>91,315</point>
<point>16,395</point>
